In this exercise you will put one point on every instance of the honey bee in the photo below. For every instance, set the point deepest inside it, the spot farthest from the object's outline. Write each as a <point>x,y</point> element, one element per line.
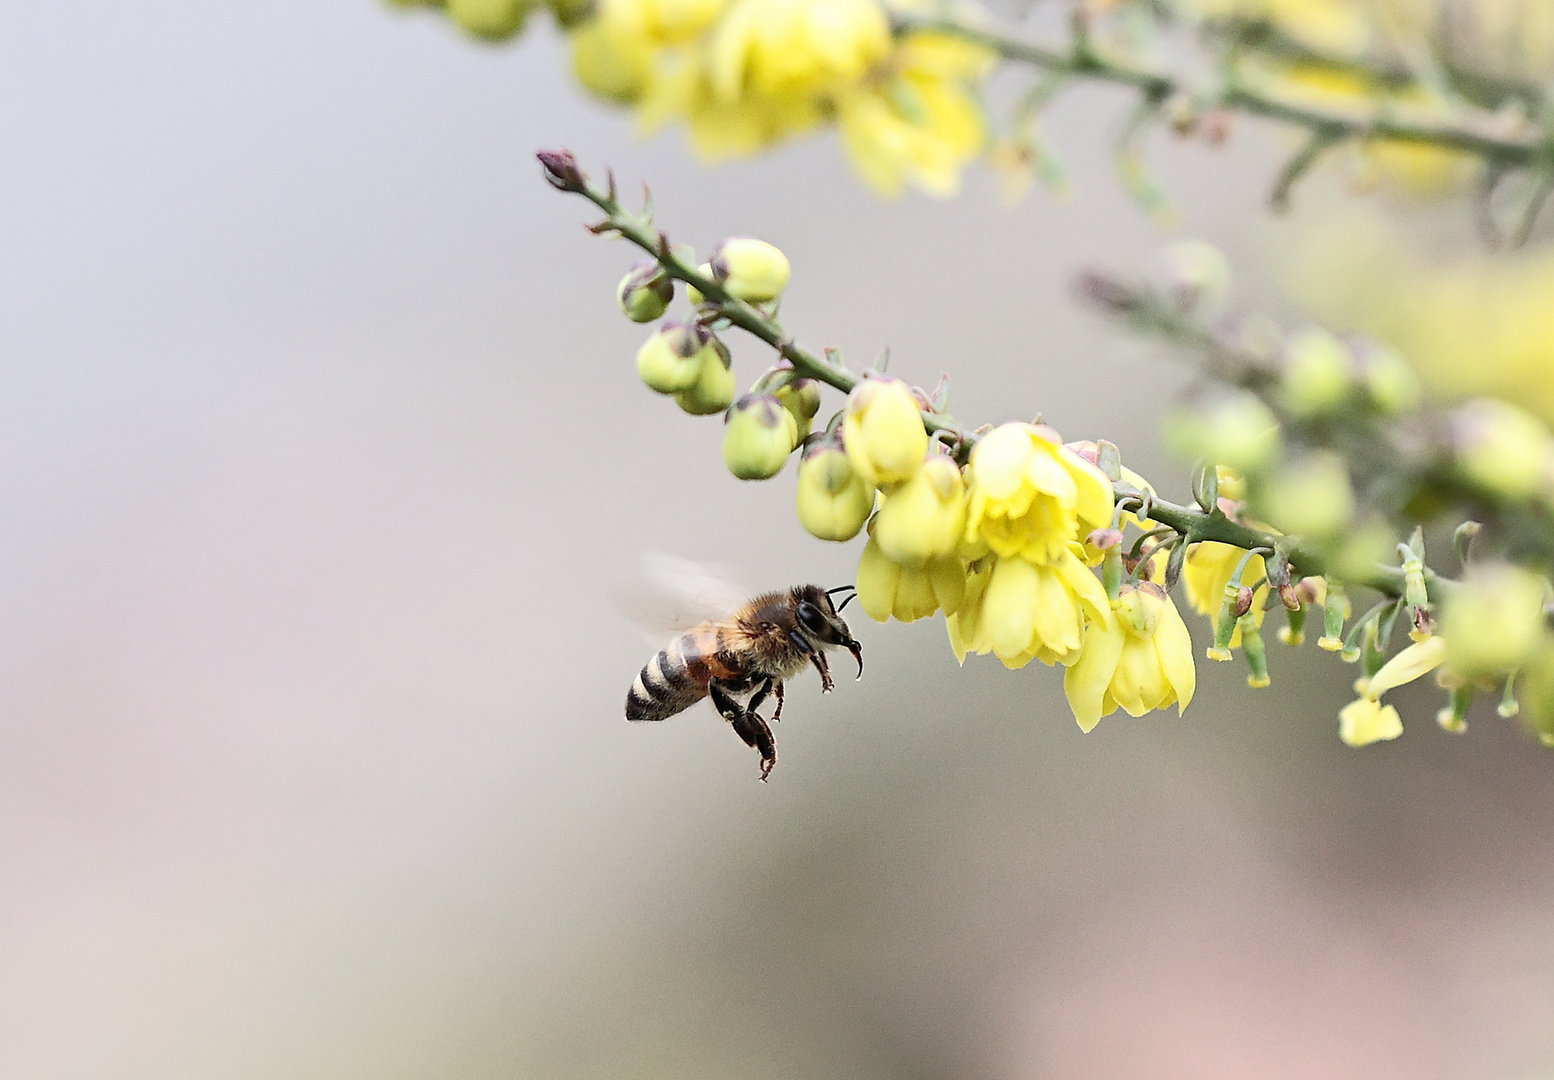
<point>765,641</point>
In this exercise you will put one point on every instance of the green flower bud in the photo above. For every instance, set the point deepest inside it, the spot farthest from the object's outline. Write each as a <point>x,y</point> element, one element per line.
<point>750,269</point>
<point>1197,275</point>
<point>645,292</point>
<point>924,518</point>
<point>759,436</point>
<point>832,500</point>
<point>1238,432</point>
<point>801,397</point>
<point>1254,651</point>
<point>1311,497</point>
<point>1501,447</point>
<point>883,431</point>
<point>1316,373</point>
<point>491,20</point>
<point>1295,632</point>
<point>1454,717</point>
<point>568,13</point>
<point>713,390</point>
<point>671,360</point>
<point>1536,687</point>
<point>1493,621</point>
<point>1391,383</point>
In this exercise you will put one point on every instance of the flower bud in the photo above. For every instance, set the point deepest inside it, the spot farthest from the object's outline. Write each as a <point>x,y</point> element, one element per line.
<point>750,269</point>
<point>1238,432</point>
<point>645,292</point>
<point>883,431</point>
<point>1454,717</point>
<point>1501,447</point>
<point>1295,632</point>
<point>713,390</point>
<point>692,293</point>
<point>491,20</point>
<point>832,500</point>
<point>1311,497</point>
<point>801,397</point>
<point>671,360</point>
<point>1493,621</point>
<point>1391,383</point>
<point>1197,275</point>
<point>924,517</point>
<point>758,437</point>
<point>1316,373</point>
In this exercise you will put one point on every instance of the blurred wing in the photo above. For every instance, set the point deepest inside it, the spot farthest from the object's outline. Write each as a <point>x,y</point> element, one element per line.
<point>677,593</point>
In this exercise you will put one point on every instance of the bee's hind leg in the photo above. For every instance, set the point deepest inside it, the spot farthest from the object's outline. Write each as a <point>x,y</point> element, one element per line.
<point>770,686</point>
<point>747,724</point>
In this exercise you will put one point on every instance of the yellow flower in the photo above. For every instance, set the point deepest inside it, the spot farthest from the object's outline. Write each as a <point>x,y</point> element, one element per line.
<point>1032,497</point>
<point>924,518</point>
<point>681,89</point>
<point>612,63</point>
<point>809,47</point>
<point>1208,570</point>
<point>883,431</point>
<point>1141,660</point>
<point>662,22</point>
<point>1022,611</point>
<point>1365,720</point>
<point>923,122</point>
<point>887,588</point>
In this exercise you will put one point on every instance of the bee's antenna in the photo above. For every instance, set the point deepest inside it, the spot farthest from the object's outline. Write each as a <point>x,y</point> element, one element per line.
<point>852,591</point>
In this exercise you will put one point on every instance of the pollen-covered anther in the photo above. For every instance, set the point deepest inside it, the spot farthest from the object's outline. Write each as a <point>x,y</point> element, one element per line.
<point>750,269</point>
<point>757,438</point>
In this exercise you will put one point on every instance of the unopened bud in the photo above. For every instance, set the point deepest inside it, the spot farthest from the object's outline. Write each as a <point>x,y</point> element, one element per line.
<point>713,390</point>
<point>883,431</point>
<point>1104,539</point>
<point>561,171</point>
<point>1454,717</point>
<point>1295,632</point>
<point>1389,381</point>
<point>801,397</point>
<point>1311,497</point>
<point>1242,602</point>
<point>1239,432</point>
<point>1493,621</point>
<point>490,20</point>
<point>832,500</point>
<point>758,437</point>
<point>671,359</point>
<point>924,517</point>
<point>1316,373</point>
<point>645,292</point>
<point>750,269</point>
<point>1500,447</point>
<point>1197,275</point>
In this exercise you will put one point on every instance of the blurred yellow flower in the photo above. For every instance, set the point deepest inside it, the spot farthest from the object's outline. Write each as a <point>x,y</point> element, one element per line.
<point>773,48</point>
<point>1365,720</point>
<point>922,122</point>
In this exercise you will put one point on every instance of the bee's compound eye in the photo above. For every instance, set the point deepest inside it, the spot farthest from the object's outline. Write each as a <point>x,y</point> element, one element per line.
<point>810,618</point>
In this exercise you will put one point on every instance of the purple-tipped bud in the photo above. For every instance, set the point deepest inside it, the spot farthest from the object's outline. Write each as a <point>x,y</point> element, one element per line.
<point>1243,602</point>
<point>561,171</point>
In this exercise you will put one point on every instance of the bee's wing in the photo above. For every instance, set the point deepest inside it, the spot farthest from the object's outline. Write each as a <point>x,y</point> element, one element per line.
<point>677,593</point>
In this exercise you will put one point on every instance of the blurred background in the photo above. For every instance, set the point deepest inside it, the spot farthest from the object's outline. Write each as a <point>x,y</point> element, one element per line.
<point>322,459</point>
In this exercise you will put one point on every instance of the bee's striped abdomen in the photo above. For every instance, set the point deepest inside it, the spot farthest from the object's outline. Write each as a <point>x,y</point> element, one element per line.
<point>673,680</point>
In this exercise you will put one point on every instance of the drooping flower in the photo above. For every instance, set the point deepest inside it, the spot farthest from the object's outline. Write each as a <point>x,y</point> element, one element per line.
<point>1030,496</point>
<point>832,500</point>
<point>923,519</point>
<point>1022,611</point>
<point>886,588</point>
<point>1140,660</point>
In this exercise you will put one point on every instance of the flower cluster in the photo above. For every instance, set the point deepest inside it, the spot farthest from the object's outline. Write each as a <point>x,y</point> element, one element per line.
<point>1019,538</point>
<point>742,75</point>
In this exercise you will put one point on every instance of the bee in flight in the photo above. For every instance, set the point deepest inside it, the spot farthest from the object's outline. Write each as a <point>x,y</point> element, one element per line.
<point>765,641</point>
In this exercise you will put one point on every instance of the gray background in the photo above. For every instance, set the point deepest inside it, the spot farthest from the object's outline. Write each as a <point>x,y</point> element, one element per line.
<point>321,460</point>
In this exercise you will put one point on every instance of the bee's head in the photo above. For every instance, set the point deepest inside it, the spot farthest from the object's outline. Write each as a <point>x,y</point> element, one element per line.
<point>819,617</point>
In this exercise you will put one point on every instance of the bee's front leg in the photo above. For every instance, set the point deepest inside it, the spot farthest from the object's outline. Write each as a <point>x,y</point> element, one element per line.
<point>818,658</point>
<point>747,724</point>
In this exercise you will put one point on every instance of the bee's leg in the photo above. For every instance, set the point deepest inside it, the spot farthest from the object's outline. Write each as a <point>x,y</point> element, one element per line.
<point>818,658</point>
<point>747,725</point>
<point>759,696</point>
<point>777,686</point>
